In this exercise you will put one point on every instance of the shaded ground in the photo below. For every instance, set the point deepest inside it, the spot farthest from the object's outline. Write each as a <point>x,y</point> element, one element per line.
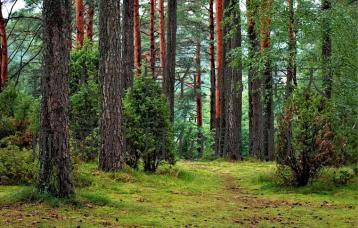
<point>200,194</point>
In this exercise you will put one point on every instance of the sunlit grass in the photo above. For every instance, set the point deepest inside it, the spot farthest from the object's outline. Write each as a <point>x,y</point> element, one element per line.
<point>204,194</point>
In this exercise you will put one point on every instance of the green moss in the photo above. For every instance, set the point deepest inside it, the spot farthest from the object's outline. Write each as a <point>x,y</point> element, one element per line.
<point>204,194</point>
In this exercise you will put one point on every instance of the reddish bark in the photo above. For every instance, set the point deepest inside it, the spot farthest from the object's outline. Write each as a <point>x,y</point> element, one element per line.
<point>137,39</point>
<point>80,22</point>
<point>212,64</point>
<point>162,34</point>
<point>4,57</point>
<point>90,21</point>
<point>151,36</point>
<point>219,59</point>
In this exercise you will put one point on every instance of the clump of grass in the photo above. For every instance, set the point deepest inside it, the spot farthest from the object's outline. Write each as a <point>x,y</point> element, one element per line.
<point>174,171</point>
<point>123,177</point>
<point>97,198</point>
<point>31,195</point>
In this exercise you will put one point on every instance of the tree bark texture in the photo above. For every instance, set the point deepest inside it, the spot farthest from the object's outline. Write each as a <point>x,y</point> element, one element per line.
<point>255,103</point>
<point>169,73</point>
<point>152,37</point>
<point>112,149</point>
<point>326,49</point>
<point>90,20</point>
<point>268,114</point>
<point>212,63</point>
<point>219,75</point>
<point>128,44</point>
<point>199,104</point>
<point>162,34</point>
<point>137,37</point>
<point>234,88</point>
<point>80,23</point>
<point>55,162</point>
<point>4,51</point>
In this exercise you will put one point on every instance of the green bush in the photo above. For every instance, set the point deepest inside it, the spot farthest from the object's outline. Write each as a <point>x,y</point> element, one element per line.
<point>315,142</point>
<point>342,178</point>
<point>84,111</point>
<point>149,131</point>
<point>18,117</point>
<point>16,166</point>
<point>83,66</point>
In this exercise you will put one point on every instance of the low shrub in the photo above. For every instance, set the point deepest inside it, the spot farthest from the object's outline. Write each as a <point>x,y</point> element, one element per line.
<point>16,166</point>
<point>308,140</point>
<point>149,133</point>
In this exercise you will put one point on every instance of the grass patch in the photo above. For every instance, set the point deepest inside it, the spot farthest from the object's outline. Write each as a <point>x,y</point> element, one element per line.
<point>203,194</point>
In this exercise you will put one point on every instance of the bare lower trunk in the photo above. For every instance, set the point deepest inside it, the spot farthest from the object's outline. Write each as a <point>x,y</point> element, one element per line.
<point>55,161</point>
<point>234,103</point>
<point>212,64</point>
<point>219,75</point>
<point>112,150</point>
<point>199,104</point>
<point>268,114</point>
<point>255,104</point>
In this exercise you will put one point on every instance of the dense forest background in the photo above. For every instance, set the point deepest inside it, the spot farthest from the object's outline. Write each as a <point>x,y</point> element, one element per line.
<point>146,85</point>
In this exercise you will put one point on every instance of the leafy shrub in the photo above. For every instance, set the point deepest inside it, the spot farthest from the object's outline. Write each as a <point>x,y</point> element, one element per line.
<point>18,115</point>
<point>16,166</point>
<point>343,178</point>
<point>83,66</point>
<point>84,111</point>
<point>314,142</point>
<point>148,128</point>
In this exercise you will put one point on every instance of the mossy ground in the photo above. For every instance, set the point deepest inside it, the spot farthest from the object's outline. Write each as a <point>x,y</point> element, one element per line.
<point>198,194</point>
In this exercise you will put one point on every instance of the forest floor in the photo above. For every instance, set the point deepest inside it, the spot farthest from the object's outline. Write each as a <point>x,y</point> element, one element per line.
<point>192,194</point>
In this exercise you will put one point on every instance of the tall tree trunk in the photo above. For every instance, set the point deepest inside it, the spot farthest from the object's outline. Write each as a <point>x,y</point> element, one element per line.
<point>286,136</point>
<point>128,45</point>
<point>80,22</point>
<point>137,37</point>
<point>90,20</point>
<point>212,64</point>
<point>219,73</point>
<point>112,150</point>
<point>255,104</point>
<point>162,35</point>
<point>268,114</point>
<point>326,49</point>
<point>291,69</point>
<point>4,57</point>
<point>55,161</point>
<point>234,98</point>
<point>199,105</point>
<point>151,36</point>
<point>169,74</point>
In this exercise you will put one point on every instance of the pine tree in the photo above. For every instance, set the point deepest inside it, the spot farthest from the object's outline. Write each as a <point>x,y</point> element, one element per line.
<point>128,44</point>
<point>112,149</point>
<point>55,162</point>
<point>169,73</point>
